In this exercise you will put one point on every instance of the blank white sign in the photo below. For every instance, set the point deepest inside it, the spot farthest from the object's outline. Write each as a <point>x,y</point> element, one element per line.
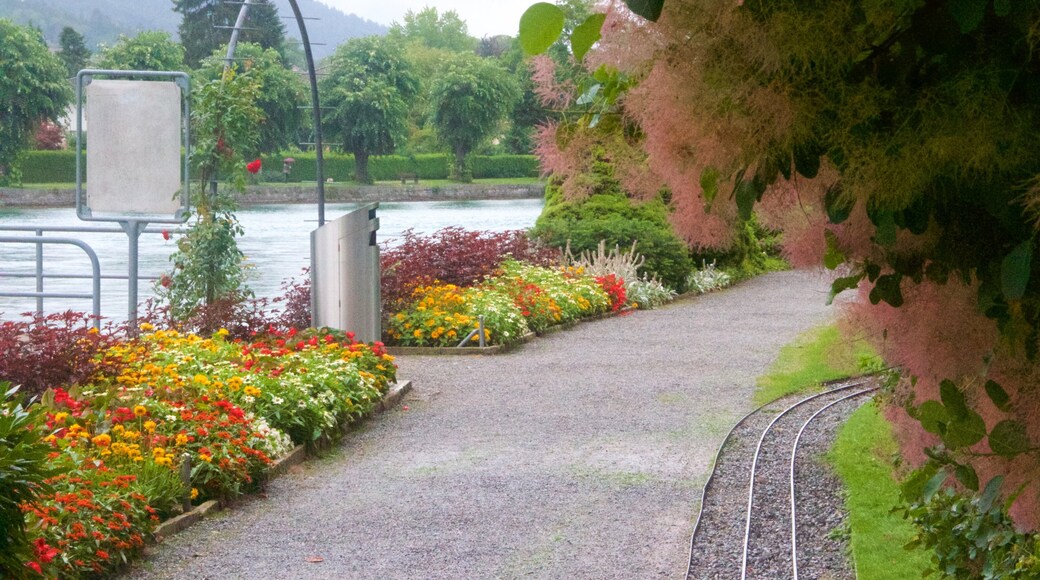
<point>134,164</point>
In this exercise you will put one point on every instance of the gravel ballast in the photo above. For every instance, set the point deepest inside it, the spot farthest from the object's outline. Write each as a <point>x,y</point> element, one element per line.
<point>581,454</point>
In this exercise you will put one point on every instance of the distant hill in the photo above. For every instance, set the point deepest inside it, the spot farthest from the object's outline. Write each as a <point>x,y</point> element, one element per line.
<point>102,21</point>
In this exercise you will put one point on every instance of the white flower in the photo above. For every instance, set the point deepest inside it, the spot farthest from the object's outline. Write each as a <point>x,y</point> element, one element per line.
<point>277,400</point>
<point>248,399</point>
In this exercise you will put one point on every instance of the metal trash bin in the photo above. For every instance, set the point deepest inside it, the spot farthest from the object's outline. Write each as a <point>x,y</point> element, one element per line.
<point>345,274</point>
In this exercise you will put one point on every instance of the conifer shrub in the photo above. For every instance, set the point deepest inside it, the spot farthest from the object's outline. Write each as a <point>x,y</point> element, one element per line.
<point>608,214</point>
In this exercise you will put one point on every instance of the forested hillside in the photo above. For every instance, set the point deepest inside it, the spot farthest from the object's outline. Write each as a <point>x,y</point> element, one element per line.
<point>102,21</point>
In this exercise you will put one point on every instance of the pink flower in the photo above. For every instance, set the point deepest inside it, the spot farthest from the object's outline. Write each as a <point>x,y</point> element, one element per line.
<point>254,166</point>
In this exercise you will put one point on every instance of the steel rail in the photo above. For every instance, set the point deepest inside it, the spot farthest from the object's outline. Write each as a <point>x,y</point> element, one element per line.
<point>715,464</point>
<point>754,466</point>
<point>794,455</point>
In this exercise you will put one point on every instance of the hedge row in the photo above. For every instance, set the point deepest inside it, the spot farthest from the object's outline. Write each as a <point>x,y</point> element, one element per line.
<point>60,166</point>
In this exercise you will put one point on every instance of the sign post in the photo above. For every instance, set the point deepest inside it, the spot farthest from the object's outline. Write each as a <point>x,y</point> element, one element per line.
<point>137,161</point>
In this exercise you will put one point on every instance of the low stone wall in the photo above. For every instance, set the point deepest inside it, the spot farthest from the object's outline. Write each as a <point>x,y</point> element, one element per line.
<point>334,193</point>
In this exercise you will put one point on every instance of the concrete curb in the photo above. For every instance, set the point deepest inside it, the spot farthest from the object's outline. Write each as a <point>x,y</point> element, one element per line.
<point>295,457</point>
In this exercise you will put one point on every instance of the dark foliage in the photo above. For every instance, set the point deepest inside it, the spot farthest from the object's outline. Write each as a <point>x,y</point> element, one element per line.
<point>452,255</point>
<point>47,351</point>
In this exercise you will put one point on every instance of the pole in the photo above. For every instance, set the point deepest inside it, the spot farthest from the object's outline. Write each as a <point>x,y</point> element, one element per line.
<point>133,229</point>
<point>233,43</point>
<point>316,108</point>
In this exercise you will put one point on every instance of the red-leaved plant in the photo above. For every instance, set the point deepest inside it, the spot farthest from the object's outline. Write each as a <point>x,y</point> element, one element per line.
<point>452,255</point>
<point>40,352</point>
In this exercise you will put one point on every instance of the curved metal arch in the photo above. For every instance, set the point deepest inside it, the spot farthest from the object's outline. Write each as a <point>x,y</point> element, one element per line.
<point>319,148</point>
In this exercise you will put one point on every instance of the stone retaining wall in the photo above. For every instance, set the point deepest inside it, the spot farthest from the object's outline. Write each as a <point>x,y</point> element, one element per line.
<point>334,193</point>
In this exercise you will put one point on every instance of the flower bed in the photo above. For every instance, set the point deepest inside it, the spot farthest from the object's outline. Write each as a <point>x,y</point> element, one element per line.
<point>227,408</point>
<point>517,299</point>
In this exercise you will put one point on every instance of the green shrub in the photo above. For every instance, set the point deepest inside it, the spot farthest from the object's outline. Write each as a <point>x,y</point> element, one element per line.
<point>492,166</point>
<point>60,166</point>
<point>608,214</point>
<point>49,167</point>
<point>23,468</point>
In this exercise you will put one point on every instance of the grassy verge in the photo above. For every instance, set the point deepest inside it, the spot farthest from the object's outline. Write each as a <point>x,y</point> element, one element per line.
<point>817,355</point>
<point>862,456</point>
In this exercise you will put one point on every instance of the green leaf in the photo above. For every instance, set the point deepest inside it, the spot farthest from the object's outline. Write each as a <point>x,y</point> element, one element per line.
<point>746,194</point>
<point>964,432</point>
<point>1002,7</point>
<point>886,229</point>
<point>1009,438</point>
<point>709,185</point>
<point>967,476</point>
<point>1015,270</point>
<point>649,9</point>
<point>833,256</point>
<point>998,395</point>
<point>954,400</point>
<point>933,416</point>
<point>586,34</point>
<point>887,288</point>
<point>838,209</point>
<point>540,26</point>
<point>589,95</point>
<point>842,284</point>
<point>990,493</point>
<point>807,160</point>
<point>968,13</point>
<point>933,484</point>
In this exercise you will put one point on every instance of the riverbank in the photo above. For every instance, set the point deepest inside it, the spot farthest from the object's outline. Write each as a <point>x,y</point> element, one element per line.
<point>307,193</point>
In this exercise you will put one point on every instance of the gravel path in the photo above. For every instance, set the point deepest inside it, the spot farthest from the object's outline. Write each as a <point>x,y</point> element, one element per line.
<point>580,455</point>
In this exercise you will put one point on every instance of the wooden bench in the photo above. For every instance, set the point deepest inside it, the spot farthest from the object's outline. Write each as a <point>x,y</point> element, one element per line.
<point>404,177</point>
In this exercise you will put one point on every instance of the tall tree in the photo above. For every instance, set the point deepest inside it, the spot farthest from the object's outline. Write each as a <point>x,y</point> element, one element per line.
<point>33,89</point>
<point>470,100</point>
<point>74,52</point>
<point>368,88</point>
<point>281,92</point>
<point>206,25</point>
<point>150,50</point>
<point>434,30</point>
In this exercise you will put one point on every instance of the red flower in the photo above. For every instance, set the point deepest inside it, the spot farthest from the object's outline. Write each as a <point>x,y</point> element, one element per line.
<point>102,554</point>
<point>166,234</point>
<point>35,566</point>
<point>254,166</point>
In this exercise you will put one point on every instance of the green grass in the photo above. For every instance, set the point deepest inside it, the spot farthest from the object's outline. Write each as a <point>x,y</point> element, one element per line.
<point>817,355</point>
<point>862,456</point>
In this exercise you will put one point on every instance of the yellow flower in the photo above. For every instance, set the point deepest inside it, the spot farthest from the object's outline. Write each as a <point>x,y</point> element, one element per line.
<point>140,411</point>
<point>181,439</point>
<point>234,383</point>
<point>222,332</point>
<point>149,426</point>
<point>103,440</point>
<point>205,457</point>
<point>417,333</point>
<point>158,452</point>
<point>194,493</point>
<point>201,379</point>
<point>252,391</point>
<point>147,327</point>
<point>60,417</point>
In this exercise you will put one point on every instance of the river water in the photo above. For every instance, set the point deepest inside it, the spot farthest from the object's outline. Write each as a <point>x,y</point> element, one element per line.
<point>276,244</point>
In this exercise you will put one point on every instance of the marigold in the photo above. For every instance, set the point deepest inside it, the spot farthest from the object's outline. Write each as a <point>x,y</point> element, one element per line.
<point>103,440</point>
<point>140,411</point>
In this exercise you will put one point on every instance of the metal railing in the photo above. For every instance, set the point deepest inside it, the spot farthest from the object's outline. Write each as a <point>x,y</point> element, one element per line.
<point>95,276</point>
<point>39,239</point>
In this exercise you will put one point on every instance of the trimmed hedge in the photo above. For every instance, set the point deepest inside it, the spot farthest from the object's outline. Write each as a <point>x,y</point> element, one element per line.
<point>49,166</point>
<point>60,166</point>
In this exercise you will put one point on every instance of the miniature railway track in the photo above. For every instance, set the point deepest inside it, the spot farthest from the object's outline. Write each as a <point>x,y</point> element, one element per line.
<point>752,524</point>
